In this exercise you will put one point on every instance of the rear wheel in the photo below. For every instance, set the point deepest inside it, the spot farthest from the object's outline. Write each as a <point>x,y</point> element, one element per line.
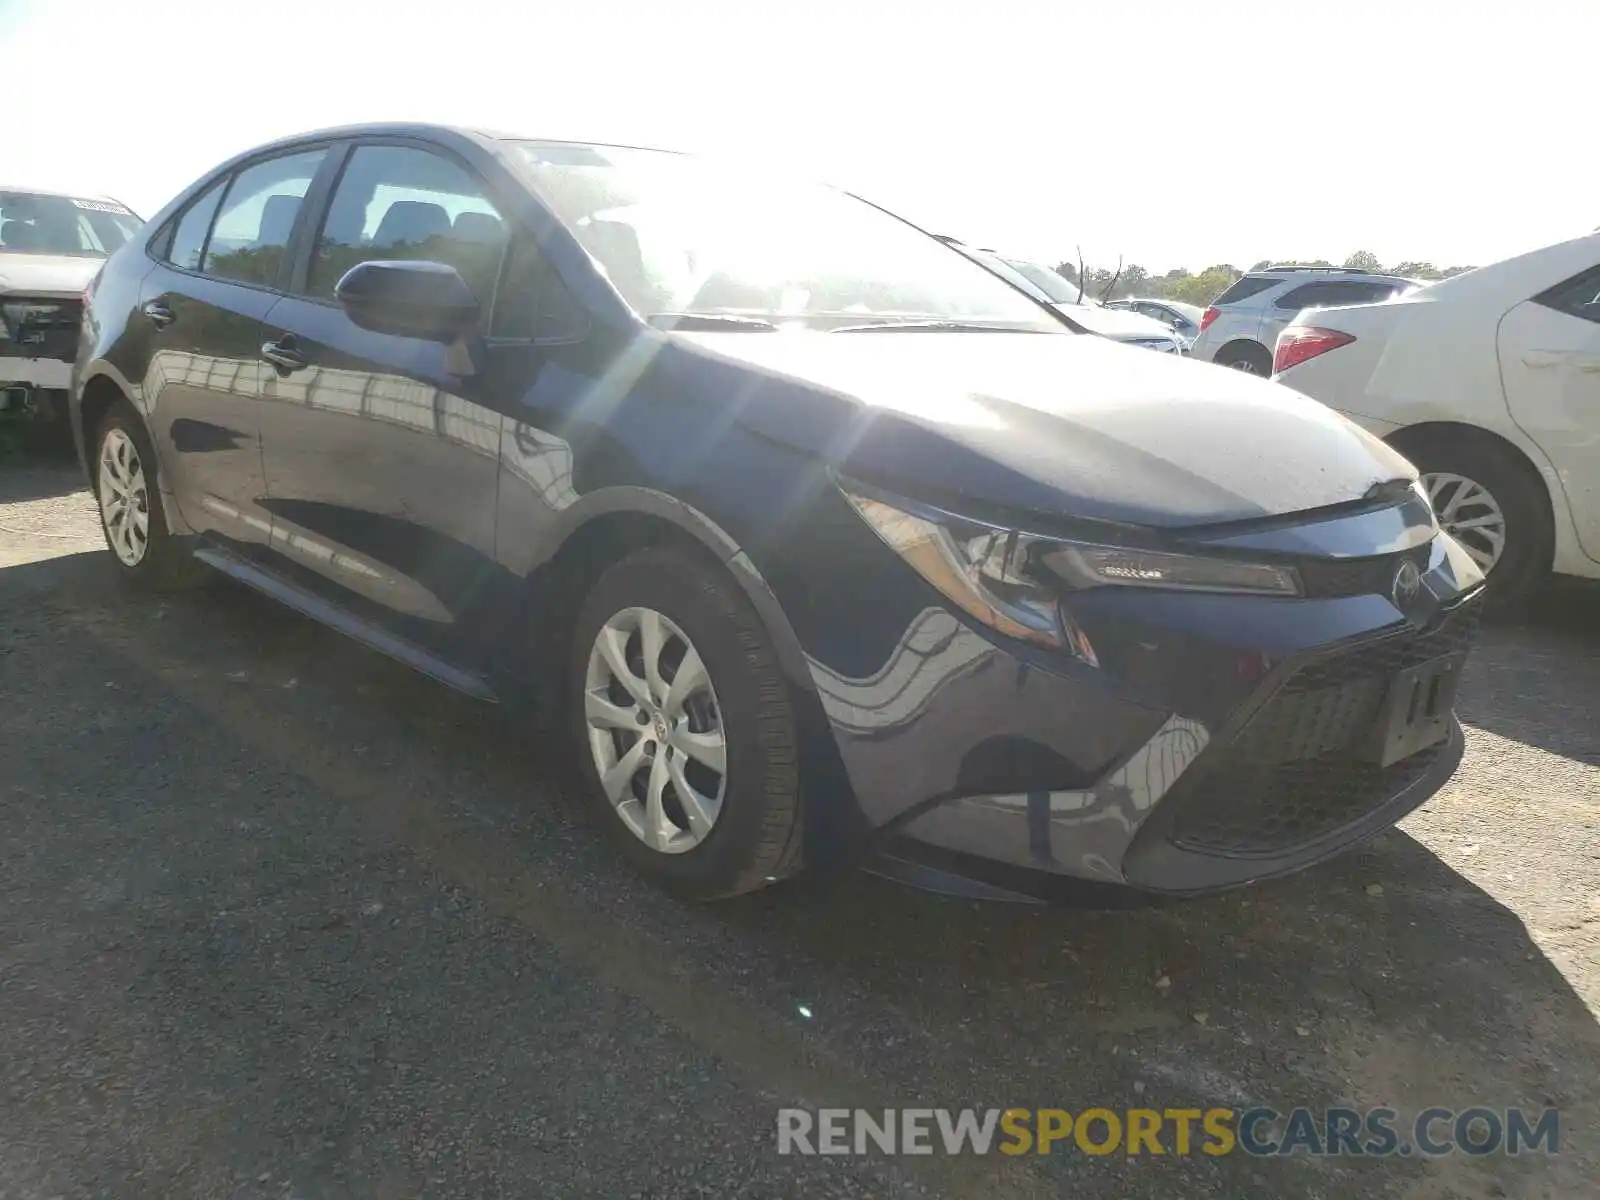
<point>131,515</point>
<point>1493,505</point>
<point>1249,357</point>
<point>684,727</point>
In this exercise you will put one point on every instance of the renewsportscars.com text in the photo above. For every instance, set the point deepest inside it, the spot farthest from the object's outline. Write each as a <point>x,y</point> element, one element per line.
<point>1260,1131</point>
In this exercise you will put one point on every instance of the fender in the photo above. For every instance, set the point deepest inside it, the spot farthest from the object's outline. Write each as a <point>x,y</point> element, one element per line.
<point>644,501</point>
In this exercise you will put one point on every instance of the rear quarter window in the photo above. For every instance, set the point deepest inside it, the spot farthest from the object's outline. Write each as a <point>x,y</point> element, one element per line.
<point>1243,289</point>
<point>1332,292</point>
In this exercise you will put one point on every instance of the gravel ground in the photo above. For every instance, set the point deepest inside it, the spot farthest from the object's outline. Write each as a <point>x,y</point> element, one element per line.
<point>280,919</point>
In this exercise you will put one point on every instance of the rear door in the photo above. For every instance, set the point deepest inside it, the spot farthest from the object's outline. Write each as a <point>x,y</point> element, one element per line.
<point>204,306</point>
<point>382,461</point>
<point>1550,360</point>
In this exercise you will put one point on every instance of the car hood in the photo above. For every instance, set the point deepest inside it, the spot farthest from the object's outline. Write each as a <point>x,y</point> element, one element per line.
<point>46,274</point>
<point>1065,424</point>
<point>1114,322</point>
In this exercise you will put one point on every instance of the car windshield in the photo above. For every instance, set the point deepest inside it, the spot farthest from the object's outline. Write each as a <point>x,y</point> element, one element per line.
<point>1060,289</point>
<point>1193,312</point>
<point>681,236</point>
<point>36,223</point>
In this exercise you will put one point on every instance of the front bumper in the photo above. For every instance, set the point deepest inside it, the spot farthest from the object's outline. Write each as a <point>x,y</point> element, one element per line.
<point>1217,742</point>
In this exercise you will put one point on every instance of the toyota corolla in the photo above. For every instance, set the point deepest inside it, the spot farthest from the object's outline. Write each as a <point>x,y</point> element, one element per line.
<point>820,544</point>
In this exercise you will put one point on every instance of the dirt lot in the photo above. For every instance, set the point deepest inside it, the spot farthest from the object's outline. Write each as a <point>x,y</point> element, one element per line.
<point>278,918</point>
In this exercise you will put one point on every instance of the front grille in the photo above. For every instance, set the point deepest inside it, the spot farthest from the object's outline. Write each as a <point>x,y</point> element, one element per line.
<point>39,328</point>
<point>1324,577</point>
<point>1295,773</point>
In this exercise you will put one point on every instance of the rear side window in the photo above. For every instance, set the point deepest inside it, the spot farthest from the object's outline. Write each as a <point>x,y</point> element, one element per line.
<point>189,238</point>
<point>1331,292</point>
<point>401,202</point>
<point>251,235</point>
<point>1577,297</point>
<point>1243,289</point>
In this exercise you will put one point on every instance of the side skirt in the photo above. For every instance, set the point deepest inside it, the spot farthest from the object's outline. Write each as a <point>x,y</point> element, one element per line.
<point>268,583</point>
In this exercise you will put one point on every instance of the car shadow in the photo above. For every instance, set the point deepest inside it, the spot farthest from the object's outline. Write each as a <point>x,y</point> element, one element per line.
<point>1533,679</point>
<point>1384,978</point>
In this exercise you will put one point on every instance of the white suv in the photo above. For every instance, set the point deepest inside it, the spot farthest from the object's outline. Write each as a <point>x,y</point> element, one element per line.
<point>1242,324</point>
<point>1490,383</point>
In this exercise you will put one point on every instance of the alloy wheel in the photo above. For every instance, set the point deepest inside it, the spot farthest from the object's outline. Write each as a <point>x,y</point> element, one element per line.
<point>124,498</point>
<point>1468,512</point>
<point>655,730</point>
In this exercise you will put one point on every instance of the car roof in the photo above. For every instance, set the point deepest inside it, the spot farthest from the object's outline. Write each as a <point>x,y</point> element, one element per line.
<point>488,139</point>
<point>1294,271</point>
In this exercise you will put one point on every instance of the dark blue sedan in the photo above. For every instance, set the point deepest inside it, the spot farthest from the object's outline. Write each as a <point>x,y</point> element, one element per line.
<point>822,544</point>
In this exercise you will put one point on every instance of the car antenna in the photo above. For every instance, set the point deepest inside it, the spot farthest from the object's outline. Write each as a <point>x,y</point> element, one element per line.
<point>1080,274</point>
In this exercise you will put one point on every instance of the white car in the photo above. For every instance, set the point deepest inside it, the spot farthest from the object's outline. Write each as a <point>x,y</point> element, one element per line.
<point>1490,383</point>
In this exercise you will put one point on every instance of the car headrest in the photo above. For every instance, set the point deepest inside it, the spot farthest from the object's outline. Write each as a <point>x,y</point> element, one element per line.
<point>411,221</point>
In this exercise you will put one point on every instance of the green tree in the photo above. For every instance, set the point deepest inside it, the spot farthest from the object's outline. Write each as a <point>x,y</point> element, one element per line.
<point>1419,270</point>
<point>1363,260</point>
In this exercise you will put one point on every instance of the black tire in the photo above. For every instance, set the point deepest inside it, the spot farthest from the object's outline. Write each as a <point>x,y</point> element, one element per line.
<point>1249,357</point>
<point>1524,563</point>
<point>756,839</point>
<point>166,564</point>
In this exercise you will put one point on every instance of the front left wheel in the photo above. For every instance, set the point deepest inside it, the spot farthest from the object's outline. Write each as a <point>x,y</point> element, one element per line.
<point>684,727</point>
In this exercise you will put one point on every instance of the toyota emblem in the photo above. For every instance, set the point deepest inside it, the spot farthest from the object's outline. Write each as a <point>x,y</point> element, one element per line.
<point>1407,584</point>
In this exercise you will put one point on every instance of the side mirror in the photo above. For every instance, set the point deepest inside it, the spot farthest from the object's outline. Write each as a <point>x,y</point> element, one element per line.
<point>410,298</point>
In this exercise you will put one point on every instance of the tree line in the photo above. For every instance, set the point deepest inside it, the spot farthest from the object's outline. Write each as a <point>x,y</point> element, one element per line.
<point>1202,287</point>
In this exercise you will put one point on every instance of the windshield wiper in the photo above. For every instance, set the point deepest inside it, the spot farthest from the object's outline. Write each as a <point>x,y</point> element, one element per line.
<point>936,326</point>
<point>692,322</point>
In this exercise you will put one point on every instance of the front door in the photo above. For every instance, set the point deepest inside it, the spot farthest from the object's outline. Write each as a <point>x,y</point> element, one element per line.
<point>382,463</point>
<point>1550,360</point>
<point>205,304</point>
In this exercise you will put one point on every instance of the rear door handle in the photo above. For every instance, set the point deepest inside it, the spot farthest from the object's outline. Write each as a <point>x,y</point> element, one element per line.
<point>160,315</point>
<point>1540,359</point>
<point>283,355</point>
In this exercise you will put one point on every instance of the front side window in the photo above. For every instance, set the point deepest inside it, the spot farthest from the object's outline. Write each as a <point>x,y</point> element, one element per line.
<point>251,235</point>
<point>1577,297</point>
<point>400,202</point>
<point>532,304</point>
<point>39,223</point>
<point>679,235</point>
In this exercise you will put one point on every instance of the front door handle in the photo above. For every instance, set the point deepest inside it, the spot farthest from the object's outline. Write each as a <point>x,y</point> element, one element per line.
<point>1539,359</point>
<point>282,355</point>
<point>160,315</point>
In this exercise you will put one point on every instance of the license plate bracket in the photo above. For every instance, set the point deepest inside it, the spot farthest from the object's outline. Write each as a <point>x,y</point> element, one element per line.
<point>1417,710</point>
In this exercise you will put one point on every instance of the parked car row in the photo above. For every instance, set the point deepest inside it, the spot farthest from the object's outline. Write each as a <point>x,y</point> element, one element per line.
<point>1051,288</point>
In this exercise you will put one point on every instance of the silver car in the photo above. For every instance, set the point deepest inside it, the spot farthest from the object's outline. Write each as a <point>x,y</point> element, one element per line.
<point>1242,325</point>
<point>1183,319</point>
<point>51,246</point>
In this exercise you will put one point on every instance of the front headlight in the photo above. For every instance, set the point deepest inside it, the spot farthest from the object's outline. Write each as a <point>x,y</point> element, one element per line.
<point>1013,581</point>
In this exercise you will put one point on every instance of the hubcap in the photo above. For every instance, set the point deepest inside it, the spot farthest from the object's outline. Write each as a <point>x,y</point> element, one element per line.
<point>655,730</point>
<point>1468,512</point>
<point>124,498</point>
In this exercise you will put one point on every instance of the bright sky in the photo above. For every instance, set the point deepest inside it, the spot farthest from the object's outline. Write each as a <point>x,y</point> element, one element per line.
<point>1175,133</point>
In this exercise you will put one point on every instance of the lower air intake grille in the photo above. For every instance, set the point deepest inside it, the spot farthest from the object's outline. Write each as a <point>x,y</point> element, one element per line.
<point>1294,773</point>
